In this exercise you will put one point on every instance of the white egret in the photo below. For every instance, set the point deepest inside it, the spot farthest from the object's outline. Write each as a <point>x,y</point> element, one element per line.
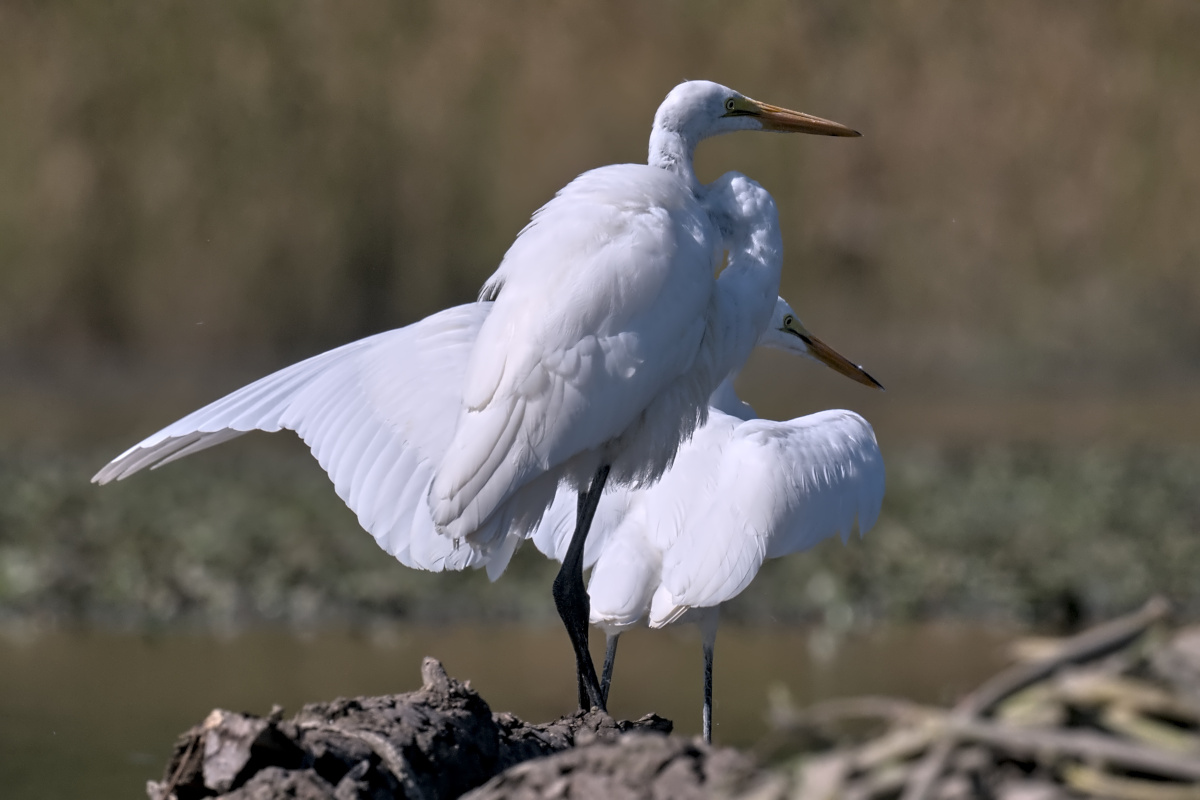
<point>607,332</point>
<point>742,490</point>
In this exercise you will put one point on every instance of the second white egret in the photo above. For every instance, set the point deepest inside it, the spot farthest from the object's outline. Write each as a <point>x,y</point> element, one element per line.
<point>742,490</point>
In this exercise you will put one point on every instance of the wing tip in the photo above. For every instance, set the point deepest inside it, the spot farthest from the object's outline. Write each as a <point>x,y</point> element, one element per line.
<point>112,471</point>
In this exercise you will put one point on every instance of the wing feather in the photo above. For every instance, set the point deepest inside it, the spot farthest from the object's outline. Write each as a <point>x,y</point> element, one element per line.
<point>201,442</point>
<point>782,488</point>
<point>212,424</point>
<point>377,415</point>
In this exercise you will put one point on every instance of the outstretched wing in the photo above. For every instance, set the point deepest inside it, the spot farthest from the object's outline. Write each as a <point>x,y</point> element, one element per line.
<point>782,487</point>
<point>377,414</point>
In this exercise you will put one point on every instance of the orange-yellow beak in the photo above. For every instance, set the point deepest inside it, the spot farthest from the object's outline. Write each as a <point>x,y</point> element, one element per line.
<point>828,356</point>
<point>837,362</point>
<point>774,118</point>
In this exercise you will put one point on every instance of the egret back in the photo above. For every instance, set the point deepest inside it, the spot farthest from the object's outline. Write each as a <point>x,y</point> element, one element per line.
<point>780,487</point>
<point>740,491</point>
<point>591,348</point>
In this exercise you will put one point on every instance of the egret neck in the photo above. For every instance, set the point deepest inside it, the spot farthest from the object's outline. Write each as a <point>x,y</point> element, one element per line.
<point>747,289</point>
<point>672,150</point>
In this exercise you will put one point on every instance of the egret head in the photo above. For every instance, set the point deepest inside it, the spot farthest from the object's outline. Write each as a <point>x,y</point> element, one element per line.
<point>786,332</point>
<point>695,110</point>
<point>699,109</point>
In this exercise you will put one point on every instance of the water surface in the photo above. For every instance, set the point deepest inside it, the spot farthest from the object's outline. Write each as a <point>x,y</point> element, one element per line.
<point>95,714</point>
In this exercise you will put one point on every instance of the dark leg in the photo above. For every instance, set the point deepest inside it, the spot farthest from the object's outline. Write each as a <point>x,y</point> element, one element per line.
<point>581,504</point>
<point>571,599</point>
<point>708,658</point>
<point>610,655</point>
<point>708,618</point>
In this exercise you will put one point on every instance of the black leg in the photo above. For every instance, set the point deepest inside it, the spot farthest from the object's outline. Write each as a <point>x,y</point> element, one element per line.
<point>610,656</point>
<point>708,659</point>
<point>708,619</point>
<point>571,599</point>
<point>581,504</point>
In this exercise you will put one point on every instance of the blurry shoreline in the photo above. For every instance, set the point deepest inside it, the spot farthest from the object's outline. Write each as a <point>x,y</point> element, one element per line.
<point>252,534</point>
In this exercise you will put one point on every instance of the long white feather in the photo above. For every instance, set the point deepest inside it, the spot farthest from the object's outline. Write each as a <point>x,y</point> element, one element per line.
<point>377,414</point>
<point>740,491</point>
<point>781,487</point>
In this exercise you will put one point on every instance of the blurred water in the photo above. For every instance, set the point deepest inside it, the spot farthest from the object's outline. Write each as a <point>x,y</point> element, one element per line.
<point>95,714</point>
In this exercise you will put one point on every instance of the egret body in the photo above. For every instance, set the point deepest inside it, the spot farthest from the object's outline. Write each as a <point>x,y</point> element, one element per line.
<point>605,334</point>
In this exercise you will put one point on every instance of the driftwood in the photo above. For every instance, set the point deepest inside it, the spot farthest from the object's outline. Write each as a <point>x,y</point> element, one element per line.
<point>1087,646</point>
<point>1101,715</point>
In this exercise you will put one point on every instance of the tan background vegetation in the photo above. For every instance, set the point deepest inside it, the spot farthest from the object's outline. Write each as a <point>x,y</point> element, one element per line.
<point>194,193</point>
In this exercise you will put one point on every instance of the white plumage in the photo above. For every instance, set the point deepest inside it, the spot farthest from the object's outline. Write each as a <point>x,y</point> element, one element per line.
<point>742,490</point>
<point>607,333</point>
<point>609,330</point>
<point>776,488</point>
<point>611,371</point>
<point>377,414</point>
<point>380,414</point>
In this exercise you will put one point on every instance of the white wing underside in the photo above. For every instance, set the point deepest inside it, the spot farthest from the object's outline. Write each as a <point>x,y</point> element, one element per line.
<point>377,414</point>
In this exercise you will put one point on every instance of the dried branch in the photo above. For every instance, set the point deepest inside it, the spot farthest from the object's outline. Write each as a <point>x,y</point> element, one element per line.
<point>1049,747</point>
<point>1087,646</point>
<point>1095,782</point>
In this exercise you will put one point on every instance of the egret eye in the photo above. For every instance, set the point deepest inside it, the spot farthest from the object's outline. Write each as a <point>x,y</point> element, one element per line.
<point>730,106</point>
<point>788,321</point>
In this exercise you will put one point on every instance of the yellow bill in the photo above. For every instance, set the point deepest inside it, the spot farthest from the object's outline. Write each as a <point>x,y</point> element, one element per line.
<point>837,362</point>
<point>828,356</point>
<point>774,118</point>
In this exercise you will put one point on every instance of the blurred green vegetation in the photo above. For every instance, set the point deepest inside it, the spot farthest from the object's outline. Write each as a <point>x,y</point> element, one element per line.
<point>193,194</point>
<point>1046,535</point>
